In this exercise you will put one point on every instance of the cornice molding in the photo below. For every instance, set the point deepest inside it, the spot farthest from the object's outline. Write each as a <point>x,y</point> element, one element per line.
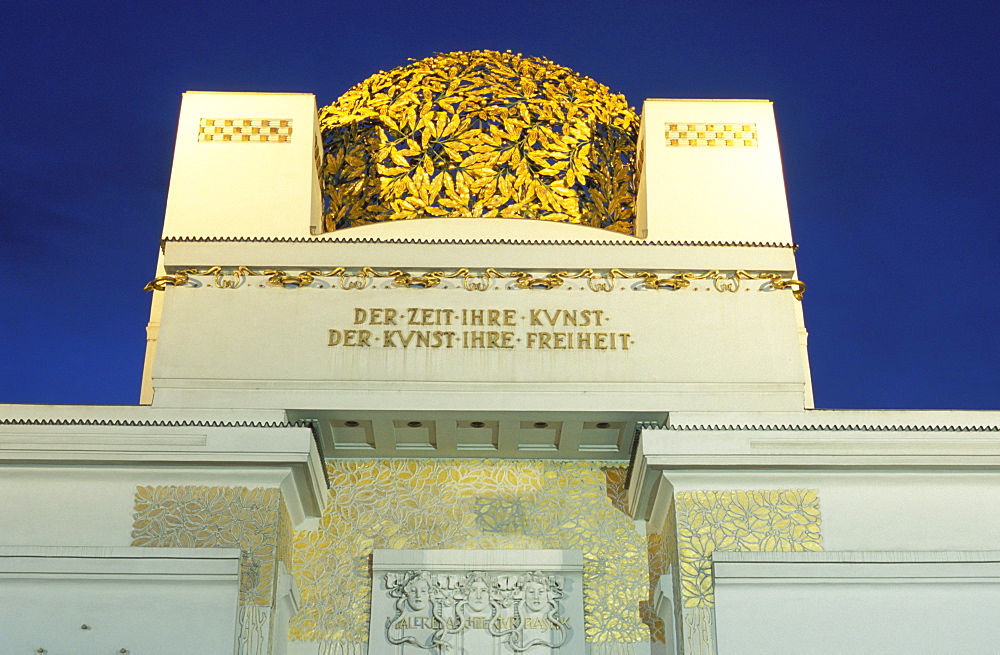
<point>311,424</point>
<point>475,242</point>
<point>824,428</point>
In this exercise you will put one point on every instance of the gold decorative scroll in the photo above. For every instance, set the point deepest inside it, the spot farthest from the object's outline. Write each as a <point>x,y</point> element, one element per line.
<point>722,281</point>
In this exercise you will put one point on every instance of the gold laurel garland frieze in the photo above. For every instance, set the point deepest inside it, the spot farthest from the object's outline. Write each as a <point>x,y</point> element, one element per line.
<point>479,281</point>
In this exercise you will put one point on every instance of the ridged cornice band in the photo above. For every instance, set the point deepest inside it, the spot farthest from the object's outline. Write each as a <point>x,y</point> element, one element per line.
<point>823,428</point>
<point>312,424</point>
<point>167,424</point>
<point>473,242</point>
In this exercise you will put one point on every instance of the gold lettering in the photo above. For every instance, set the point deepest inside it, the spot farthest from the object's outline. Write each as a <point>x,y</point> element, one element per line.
<point>448,337</point>
<point>504,623</point>
<point>350,338</point>
<point>573,338</point>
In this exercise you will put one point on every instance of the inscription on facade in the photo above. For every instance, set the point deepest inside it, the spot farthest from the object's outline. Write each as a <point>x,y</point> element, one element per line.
<point>477,602</point>
<point>477,612</point>
<point>500,328</point>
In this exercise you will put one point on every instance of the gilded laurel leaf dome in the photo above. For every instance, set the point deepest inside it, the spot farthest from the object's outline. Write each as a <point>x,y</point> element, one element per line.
<point>480,134</point>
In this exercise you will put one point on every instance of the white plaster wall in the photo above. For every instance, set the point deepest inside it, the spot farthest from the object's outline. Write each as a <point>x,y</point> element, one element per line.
<point>92,506</point>
<point>177,603</point>
<point>71,472</point>
<point>51,507</point>
<point>730,347</point>
<point>933,510</point>
<point>239,188</point>
<point>713,193</point>
<point>922,609</point>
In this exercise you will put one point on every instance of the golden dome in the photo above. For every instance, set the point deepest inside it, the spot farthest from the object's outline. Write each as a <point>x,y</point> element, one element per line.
<point>480,134</point>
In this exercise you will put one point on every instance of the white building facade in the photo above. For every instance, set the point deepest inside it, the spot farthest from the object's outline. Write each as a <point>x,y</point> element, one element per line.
<point>478,361</point>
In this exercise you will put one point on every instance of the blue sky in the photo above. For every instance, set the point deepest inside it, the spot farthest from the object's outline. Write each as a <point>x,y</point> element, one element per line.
<point>887,113</point>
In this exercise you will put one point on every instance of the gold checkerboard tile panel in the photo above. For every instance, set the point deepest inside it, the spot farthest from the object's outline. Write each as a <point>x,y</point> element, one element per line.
<point>712,134</point>
<point>273,130</point>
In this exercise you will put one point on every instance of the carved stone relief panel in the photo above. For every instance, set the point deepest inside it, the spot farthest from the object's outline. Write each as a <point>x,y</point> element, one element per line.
<point>476,602</point>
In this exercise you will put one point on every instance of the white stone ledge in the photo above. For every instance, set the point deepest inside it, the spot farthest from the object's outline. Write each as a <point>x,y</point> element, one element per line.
<point>475,396</point>
<point>136,413</point>
<point>447,560</point>
<point>283,456</point>
<point>554,254</point>
<point>859,567</point>
<point>832,419</point>
<point>40,561</point>
<point>862,556</point>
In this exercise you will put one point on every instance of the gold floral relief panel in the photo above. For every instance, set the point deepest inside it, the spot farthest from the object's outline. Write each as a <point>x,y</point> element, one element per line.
<point>472,504</point>
<point>617,488</point>
<point>217,517</point>
<point>286,534</point>
<point>766,520</point>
